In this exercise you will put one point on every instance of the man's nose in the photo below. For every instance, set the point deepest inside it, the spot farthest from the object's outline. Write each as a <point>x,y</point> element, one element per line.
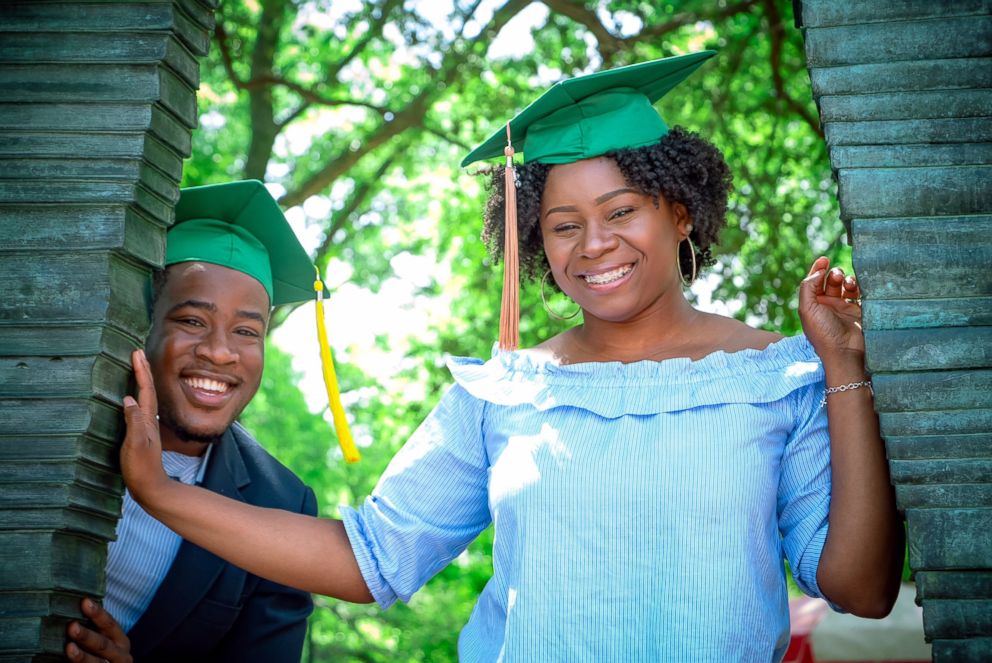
<point>215,346</point>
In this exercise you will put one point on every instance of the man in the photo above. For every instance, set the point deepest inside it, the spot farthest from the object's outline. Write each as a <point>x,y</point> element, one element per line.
<point>231,257</point>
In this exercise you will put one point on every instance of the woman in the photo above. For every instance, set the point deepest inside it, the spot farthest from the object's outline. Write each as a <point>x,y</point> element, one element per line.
<point>645,470</point>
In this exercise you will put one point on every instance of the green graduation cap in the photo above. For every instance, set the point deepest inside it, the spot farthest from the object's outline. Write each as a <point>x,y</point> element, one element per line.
<point>590,115</point>
<point>239,225</point>
<point>579,118</point>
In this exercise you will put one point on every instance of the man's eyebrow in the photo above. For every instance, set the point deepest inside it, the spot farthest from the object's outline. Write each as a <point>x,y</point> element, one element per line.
<point>599,201</point>
<point>251,315</point>
<point>195,303</point>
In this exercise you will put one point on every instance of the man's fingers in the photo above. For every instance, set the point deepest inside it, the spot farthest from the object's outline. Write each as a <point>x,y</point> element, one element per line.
<point>136,421</point>
<point>104,621</point>
<point>74,653</point>
<point>147,398</point>
<point>89,645</point>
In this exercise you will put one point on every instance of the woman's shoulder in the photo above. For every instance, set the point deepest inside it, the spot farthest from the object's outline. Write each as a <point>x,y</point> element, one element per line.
<point>772,365</point>
<point>731,335</point>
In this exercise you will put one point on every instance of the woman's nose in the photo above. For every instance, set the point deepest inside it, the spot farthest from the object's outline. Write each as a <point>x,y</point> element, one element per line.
<point>597,240</point>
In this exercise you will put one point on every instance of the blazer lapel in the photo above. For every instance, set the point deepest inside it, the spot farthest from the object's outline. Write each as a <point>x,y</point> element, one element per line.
<point>194,570</point>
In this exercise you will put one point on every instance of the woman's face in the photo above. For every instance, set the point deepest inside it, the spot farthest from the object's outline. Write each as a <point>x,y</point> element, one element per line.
<point>609,247</point>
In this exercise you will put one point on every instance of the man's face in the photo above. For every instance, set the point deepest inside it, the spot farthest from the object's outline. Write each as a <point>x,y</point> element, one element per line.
<point>205,348</point>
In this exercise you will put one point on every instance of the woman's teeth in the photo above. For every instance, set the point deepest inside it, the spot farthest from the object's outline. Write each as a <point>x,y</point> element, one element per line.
<point>608,277</point>
<point>205,384</point>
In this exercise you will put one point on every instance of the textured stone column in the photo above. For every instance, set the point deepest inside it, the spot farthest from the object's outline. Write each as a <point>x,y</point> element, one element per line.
<point>97,106</point>
<point>903,89</point>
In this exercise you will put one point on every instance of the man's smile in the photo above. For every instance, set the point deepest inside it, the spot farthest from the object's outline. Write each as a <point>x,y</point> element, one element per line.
<point>210,391</point>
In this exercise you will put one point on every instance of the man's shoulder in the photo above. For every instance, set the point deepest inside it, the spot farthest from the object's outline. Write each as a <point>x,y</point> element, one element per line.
<point>272,483</point>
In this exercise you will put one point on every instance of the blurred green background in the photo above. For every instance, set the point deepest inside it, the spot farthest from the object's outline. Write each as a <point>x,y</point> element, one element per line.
<point>357,114</point>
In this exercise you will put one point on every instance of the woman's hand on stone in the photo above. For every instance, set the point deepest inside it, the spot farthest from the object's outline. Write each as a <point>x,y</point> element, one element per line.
<point>830,312</point>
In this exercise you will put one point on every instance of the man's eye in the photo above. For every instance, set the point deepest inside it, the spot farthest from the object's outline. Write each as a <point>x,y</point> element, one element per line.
<point>190,321</point>
<point>248,332</point>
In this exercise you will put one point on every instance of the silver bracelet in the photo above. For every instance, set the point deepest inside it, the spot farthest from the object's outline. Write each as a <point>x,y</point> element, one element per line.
<point>847,387</point>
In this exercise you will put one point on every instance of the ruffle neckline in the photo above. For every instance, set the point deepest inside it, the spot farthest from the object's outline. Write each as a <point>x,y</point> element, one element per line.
<point>614,389</point>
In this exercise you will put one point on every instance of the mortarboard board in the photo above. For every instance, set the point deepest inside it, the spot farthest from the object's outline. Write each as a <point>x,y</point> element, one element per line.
<point>239,225</point>
<point>579,118</point>
<point>590,115</point>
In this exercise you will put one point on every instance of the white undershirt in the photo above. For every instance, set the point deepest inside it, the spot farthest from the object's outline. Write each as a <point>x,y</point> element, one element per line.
<point>139,559</point>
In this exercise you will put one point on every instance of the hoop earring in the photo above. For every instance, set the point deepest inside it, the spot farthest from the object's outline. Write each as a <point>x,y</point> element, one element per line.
<point>678,261</point>
<point>547,308</point>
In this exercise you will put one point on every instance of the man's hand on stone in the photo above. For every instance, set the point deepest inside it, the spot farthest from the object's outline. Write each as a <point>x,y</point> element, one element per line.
<point>108,644</point>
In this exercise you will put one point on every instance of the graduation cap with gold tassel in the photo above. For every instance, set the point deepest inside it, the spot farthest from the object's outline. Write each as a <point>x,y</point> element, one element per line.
<point>239,225</point>
<point>579,118</point>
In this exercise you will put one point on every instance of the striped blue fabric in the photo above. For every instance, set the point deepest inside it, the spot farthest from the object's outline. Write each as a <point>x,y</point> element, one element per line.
<point>139,559</point>
<point>641,511</point>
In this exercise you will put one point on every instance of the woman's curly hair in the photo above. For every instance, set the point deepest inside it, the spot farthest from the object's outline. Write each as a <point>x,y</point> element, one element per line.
<point>682,167</point>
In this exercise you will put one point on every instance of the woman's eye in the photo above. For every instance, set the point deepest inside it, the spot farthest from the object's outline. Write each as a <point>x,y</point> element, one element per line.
<point>620,213</point>
<point>248,332</point>
<point>565,227</point>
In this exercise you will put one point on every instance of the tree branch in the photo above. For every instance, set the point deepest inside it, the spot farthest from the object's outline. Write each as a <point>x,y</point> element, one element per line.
<point>357,198</point>
<point>610,44</point>
<point>292,115</point>
<point>447,137</point>
<point>580,13</point>
<point>309,96</point>
<point>375,30</point>
<point>261,105</point>
<point>681,20</point>
<point>775,59</point>
<point>225,54</point>
<point>267,80</point>
<point>410,117</point>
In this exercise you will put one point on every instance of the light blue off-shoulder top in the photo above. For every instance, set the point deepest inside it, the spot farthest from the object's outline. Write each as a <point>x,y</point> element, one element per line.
<point>641,511</point>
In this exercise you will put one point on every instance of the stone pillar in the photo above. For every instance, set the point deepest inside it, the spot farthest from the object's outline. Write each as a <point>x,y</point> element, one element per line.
<point>903,90</point>
<point>97,106</point>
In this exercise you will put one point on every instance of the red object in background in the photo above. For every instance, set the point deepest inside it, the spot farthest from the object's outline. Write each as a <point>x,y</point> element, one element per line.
<point>805,613</point>
<point>819,635</point>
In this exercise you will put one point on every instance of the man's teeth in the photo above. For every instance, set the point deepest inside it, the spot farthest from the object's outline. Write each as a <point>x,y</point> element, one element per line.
<point>608,277</point>
<point>205,384</point>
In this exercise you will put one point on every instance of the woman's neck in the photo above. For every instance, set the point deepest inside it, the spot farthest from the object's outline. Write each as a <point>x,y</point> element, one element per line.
<point>661,332</point>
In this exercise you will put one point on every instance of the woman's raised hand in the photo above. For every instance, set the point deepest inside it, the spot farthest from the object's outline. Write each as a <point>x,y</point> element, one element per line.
<point>141,452</point>
<point>830,311</point>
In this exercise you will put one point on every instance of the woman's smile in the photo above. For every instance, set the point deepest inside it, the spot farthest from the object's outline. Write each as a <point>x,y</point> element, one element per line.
<point>608,278</point>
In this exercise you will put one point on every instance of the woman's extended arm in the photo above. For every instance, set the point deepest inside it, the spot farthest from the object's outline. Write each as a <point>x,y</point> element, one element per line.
<point>312,554</point>
<point>862,558</point>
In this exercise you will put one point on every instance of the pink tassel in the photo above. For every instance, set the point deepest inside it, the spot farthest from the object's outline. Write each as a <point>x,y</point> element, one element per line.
<point>509,313</point>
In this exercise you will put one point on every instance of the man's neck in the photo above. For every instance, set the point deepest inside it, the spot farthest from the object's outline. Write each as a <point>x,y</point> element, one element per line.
<point>172,442</point>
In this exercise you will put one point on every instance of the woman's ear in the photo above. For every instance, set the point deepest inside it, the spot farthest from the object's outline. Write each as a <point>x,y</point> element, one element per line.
<point>683,222</point>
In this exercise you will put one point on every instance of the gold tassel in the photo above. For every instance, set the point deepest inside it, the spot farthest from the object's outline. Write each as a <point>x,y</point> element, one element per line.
<point>348,447</point>
<point>509,312</point>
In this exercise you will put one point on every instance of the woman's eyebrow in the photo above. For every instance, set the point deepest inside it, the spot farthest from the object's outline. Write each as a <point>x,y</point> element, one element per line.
<point>613,194</point>
<point>599,201</point>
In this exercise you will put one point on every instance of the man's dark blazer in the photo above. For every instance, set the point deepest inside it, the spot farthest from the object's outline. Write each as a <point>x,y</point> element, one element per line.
<point>209,610</point>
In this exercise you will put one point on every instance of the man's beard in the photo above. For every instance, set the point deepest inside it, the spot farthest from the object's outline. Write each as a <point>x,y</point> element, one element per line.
<point>168,419</point>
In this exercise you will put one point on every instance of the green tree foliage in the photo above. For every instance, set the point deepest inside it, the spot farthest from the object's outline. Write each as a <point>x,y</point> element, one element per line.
<point>361,111</point>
